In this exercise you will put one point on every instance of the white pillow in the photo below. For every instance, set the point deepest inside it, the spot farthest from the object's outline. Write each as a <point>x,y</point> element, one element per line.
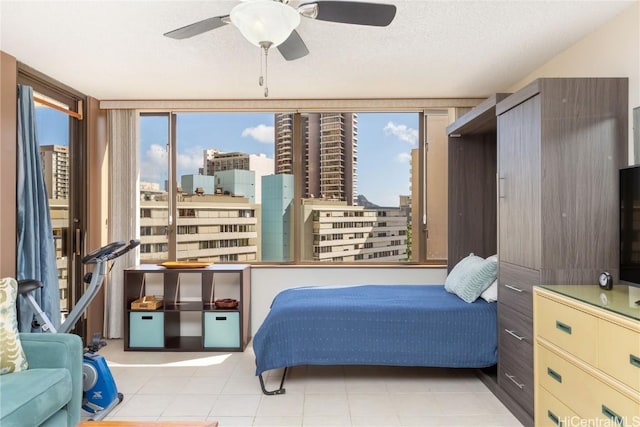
<point>470,277</point>
<point>491,293</point>
<point>12,357</point>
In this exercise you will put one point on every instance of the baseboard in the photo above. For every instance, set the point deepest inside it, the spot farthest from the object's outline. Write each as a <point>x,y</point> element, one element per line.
<point>488,377</point>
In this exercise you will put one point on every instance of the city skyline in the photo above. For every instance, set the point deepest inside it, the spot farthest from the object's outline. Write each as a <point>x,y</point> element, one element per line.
<point>384,144</point>
<point>225,228</point>
<point>385,141</point>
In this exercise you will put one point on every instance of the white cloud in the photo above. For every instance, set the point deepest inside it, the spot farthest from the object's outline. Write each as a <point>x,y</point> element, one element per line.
<point>190,162</point>
<point>261,133</point>
<point>402,132</point>
<point>153,165</point>
<point>403,158</point>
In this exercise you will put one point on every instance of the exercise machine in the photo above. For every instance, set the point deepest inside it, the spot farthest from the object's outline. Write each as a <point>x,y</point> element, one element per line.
<point>100,394</point>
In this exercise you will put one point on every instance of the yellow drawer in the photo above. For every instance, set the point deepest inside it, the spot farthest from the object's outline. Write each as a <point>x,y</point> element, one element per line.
<point>568,328</point>
<point>584,394</point>
<point>563,380</point>
<point>551,412</point>
<point>619,353</point>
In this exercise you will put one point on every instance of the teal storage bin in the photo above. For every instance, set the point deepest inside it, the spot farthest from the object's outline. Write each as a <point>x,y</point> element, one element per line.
<point>222,329</point>
<point>146,329</point>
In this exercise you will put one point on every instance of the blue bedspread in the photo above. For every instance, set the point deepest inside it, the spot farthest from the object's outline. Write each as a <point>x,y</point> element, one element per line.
<point>396,325</point>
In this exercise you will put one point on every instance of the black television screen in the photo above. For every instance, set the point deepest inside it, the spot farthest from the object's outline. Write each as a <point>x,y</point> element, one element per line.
<point>630,225</point>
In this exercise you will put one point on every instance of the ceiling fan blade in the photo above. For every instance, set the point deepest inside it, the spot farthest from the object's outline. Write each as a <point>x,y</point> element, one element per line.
<point>351,12</point>
<point>293,47</point>
<point>198,27</point>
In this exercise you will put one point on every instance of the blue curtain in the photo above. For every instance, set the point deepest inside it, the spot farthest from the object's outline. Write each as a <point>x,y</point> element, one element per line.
<point>36,248</point>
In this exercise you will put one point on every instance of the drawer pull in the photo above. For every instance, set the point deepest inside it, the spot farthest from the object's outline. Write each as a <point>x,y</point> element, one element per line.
<point>634,360</point>
<point>563,327</point>
<point>513,334</point>
<point>146,317</point>
<point>513,380</point>
<point>221,317</point>
<point>513,288</point>
<point>553,417</point>
<point>617,419</point>
<point>553,374</point>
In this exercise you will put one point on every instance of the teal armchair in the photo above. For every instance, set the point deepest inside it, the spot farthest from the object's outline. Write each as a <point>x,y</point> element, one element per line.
<point>49,393</point>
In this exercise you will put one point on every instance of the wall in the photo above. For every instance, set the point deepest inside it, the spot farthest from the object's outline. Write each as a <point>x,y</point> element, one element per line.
<point>8,153</point>
<point>267,281</point>
<point>613,50</point>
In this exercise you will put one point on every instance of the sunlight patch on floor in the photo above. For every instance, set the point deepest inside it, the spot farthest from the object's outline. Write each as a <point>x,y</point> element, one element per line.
<point>202,361</point>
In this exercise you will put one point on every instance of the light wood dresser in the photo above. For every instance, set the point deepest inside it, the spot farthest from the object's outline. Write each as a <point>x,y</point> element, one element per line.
<point>586,356</point>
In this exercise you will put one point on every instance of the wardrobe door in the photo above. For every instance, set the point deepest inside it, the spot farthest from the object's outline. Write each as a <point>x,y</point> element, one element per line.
<point>519,139</point>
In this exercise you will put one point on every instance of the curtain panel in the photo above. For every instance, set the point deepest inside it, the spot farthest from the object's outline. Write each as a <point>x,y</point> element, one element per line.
<point>124,208</point>
<point>36,248</point>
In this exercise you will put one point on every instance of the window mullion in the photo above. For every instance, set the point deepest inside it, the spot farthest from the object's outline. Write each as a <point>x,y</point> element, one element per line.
<point>172,187</point>
<point>298,188</point>
<point>420,219</point>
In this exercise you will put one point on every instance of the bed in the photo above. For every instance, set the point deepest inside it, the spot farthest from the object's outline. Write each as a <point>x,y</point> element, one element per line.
<point>394,325</point>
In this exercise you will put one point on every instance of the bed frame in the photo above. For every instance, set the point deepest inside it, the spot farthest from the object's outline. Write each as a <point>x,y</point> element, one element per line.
<point>393,325</point>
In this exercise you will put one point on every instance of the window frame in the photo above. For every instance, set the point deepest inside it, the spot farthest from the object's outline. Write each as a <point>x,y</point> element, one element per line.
<point>296,257</point>
<point>78,215</point>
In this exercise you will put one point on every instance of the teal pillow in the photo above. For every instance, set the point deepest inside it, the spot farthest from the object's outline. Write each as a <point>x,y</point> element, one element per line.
<point>471,276</point>
<point>458,271</point>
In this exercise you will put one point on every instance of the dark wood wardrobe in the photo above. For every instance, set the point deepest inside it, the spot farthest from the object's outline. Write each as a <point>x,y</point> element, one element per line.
<point>533,176</point>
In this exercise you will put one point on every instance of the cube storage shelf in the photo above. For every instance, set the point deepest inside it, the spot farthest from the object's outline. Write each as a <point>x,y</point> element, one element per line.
<point>188,319</point>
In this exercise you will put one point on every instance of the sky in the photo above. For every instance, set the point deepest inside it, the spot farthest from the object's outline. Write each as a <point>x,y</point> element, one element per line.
<point>52,127</point>
<point>385,141</point>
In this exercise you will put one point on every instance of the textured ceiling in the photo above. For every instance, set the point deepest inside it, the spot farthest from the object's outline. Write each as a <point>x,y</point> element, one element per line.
<point>116,50</point>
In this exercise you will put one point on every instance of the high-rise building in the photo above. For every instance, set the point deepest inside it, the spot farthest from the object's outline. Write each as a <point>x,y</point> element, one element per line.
<point>330,153</point>
<point>59,213</point>
<point>415,221</point>
<point>54,160</point>
<point>216,161</point>
<point>284,144</point>
<point>192,184</point>
<point>276,217</point>
<point>237,182</point>
<point>336,232</point>
<point>209,154</point>
<point>212,228</point>
<point>55,168</point>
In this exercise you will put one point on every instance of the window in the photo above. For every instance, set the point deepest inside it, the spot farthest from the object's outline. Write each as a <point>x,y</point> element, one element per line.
<point>222,186</point>
<point>62,143</point>
<point>357,179</point>
<point>202,177</point>
<point>53,137</point>
<point>154,174</point>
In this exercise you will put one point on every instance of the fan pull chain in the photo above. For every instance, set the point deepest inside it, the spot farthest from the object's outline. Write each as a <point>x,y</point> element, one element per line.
<point>261,79</point>
<point>264,71</point>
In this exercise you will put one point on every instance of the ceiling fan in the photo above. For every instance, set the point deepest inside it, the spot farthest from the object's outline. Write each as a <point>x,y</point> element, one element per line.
<point>273,23</point>
<point>256,18</point>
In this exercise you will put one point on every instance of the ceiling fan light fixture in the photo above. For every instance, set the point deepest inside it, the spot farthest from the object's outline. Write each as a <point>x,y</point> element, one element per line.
<point>262,21</point>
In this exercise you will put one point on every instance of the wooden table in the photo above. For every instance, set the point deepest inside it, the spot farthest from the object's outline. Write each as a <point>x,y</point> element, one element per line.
<point>148,424</point>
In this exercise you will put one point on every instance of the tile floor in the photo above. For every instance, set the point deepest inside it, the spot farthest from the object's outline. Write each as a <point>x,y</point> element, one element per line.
<point>223,387</point>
